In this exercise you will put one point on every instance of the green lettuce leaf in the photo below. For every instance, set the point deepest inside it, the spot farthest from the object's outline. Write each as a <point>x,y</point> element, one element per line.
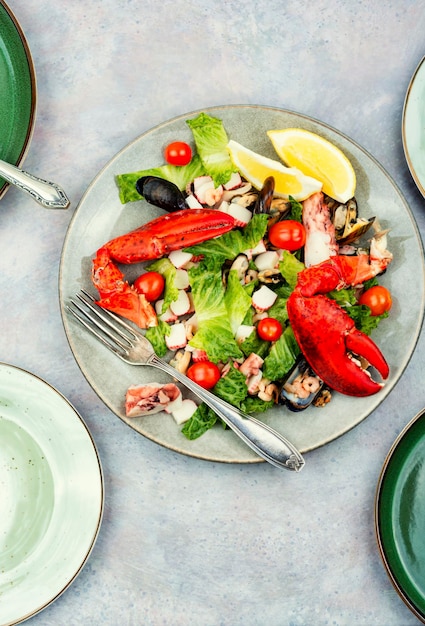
<point>296,211</point>
<point>360,314</point>
<point>253,343</point>
<point>211,144</point>
<point>279,311</point>
<point>282,356</point>
<point>156,335</point>
<point>232,387</point>
<point>168,271</point>
<point>289,267</point>
<point>237,301</point>
<point>179,175</point>
<point>214,334</point>
<point>202,420</point>
<point>253,404</point>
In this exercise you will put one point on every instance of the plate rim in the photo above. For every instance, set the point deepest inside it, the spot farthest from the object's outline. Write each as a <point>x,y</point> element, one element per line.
<point>33,84</point>
<point>385,559</point>
<point>216,109</point>
<point>407,155</point>
<point>50,389</point>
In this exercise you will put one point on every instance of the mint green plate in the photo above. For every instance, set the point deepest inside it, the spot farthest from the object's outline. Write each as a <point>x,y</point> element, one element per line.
<point>17,91</point>
<point>400,515</point>
<point>413,126</point>
<point>51,500</point>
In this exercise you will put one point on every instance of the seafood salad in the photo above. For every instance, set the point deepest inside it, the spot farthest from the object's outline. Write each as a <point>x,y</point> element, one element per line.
<point>261,295</point>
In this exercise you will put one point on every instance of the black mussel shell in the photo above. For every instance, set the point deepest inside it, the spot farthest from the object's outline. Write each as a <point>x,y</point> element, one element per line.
<point>265,196</point>
<point>161,193</point>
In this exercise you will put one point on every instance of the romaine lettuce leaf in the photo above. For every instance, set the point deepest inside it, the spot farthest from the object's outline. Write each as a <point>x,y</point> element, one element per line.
<point>253,343</point>
<point>232,387</point>
<point>156,335</point>
<point>279,311</point>
<point>254,404</point>
<point>214,334</point>
<point>289,267</point>
<point>237,300</point>
<point>202,420</point>
<point>179,175</point>
<point>282,356</point>
<point>168,271</point>
<point>211,144</point>
<point>360,314</point>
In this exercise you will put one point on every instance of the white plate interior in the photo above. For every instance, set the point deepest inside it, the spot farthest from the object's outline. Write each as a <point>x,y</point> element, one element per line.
<point>100,216</point>
<point>51,494</point>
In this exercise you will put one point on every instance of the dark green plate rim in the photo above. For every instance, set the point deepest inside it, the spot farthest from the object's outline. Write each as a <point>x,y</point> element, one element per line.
<point>408,448</point>
<point>17,91</point>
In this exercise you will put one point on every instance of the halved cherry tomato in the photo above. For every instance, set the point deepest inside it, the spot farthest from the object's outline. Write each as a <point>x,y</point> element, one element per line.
<point>151,285</point>
<point>269,329</point>
<point>287,235</point>
<point>378,299</point>
<point>178,153</point>
<point>205,373</point>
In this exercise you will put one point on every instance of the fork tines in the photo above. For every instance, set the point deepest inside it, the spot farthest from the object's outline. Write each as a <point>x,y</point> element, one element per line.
<point>112,331</point>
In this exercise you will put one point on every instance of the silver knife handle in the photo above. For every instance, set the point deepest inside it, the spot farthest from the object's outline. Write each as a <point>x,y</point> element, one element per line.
<point>48,194</point>
<point>265,441</point>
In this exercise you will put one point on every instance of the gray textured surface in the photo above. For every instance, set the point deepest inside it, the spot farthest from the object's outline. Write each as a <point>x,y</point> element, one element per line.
<point>185,541</point>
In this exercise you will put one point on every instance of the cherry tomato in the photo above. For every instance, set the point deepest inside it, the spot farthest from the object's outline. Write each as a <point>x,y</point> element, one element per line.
<point>377,298</point>
<point>269,329</point>
<point>205,373</point>
<point>178,153</point>
<point>150,284</point>
<point>287,235</point>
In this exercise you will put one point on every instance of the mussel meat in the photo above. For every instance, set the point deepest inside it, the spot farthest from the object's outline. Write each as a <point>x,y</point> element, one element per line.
<point>301,387</point>
<point>161,193</point>
<point>348,225</point>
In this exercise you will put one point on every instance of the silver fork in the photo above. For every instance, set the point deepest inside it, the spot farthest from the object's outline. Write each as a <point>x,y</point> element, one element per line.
<point>132,347</point>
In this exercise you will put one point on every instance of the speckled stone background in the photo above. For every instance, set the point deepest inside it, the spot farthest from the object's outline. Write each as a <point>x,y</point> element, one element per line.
<point>185,541</point>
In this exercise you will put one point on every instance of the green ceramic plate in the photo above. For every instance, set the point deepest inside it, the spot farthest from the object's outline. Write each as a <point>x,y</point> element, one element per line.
<point>17,91</point>
<point>51,500</point>
<point>413,126</point>
<point>400,515</point>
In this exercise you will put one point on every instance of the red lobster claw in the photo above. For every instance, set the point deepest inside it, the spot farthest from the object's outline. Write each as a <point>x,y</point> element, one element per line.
<point>117,295</point>
<point>172,231</point>
<point>326,335</point>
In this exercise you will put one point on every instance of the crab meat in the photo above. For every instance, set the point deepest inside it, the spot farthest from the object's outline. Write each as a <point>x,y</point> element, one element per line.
<point>263,298</point>
<point>177,337</point>
<point>267,260</point>
<point>240,214</point>
<point>181,306</point>
<point>180,258</point>
<point>234,181</point>
<point>185,411</point>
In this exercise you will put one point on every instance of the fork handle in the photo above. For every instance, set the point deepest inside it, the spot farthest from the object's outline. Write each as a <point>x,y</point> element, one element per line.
<point>265,441</point>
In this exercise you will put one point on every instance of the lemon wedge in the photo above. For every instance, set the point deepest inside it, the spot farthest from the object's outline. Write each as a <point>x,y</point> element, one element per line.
<point>289,181</point>
<point>317,157</point>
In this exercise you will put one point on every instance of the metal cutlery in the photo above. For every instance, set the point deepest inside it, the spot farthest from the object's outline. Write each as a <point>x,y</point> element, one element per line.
<point>132,347</point>
<point>50,195</point>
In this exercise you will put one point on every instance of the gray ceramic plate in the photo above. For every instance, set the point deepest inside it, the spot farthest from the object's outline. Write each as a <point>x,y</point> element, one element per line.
<point>51,500</point>
<point>100,216</point>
